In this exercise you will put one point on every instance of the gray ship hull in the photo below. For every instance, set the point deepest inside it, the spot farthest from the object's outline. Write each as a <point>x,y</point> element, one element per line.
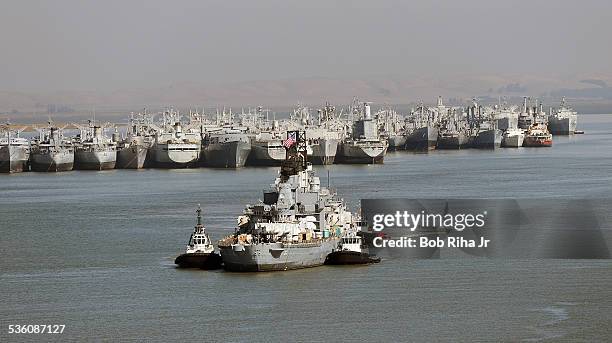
<point>397,142</point>
<point>226,155</point>
<point>95,160</point>
<point>132,157</point>
<point>276,256</point>
<point>488,139</point>
<point>359,153</point>
<point>264,155</point>
<point>424,138</point>
<point>562,126</point>
<point>52,162</point>
<point>324,152</point>
<point>455,141</point>
<point>13,159</point>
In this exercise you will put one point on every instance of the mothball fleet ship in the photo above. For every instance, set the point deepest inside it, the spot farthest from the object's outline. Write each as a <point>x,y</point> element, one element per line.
<point>297,225</point>
<point>14,151</point>
<point>132,150</point>
<point>365,144</point>
<point>52,152</point>
<point>323,139</point>
<point>93,150</point>
<point>563,121</point>
<point>424,130</point>
<point>174,147</point>
<point>226,148</point>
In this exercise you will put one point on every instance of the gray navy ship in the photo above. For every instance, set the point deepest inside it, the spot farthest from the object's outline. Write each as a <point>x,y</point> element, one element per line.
<point>52,152</point>
<point>297,225</point>
<point>563,121</point>
<point>94,151</point>
<point>132,151</point>
<point>226,148</point>
<point>365,145</point>
<point>174,147</point>
<point>423,135</point>
<point>14,151</point>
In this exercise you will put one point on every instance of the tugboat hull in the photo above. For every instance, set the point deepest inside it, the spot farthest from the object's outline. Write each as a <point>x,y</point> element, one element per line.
<point>207,261</point>
<point>350,257</point>
<point>537,143</point>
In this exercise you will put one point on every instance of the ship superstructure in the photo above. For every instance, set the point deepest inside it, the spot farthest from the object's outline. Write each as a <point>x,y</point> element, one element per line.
<point>297,224</point>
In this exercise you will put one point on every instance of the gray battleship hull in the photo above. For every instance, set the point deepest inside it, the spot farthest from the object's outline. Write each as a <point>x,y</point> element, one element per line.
<point>95,160</point>
<point>424,138</point>
<point>53,161</point>
<point>562,126</point>
<point>132,157</point>
<point>276,256</point>
<point>456,141</point>
<point>324,152</point>
<point>227,154</point>
<point>13,159</point>
<point>355,153</point>
<point>488,139</point>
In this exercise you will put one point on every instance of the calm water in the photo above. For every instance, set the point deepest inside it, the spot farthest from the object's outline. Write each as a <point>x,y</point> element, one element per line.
<point>95,250</point>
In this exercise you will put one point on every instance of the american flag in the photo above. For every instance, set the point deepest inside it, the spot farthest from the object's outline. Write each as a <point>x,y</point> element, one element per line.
<point>291,139</point>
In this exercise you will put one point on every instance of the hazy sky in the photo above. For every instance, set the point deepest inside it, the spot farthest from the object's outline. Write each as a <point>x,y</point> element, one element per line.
<point>105,45</point>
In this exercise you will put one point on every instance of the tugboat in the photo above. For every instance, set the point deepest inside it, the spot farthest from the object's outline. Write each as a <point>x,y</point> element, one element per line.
<point>538,136</point>
<point>351,251</point>
<point>200,251</point>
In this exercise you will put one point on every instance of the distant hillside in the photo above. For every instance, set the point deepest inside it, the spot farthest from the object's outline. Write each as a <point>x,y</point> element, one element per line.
<point>581,90</point>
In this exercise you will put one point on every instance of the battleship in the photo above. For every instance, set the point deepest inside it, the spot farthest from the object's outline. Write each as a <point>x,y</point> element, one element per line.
<point>365,146</point>
<point>93,150</point>
<point>563,121</point>
<point>52,152</point>
<point>297,224</point>
<point>200,252</point>
<point>226,148</point>
<point>14,151</point>
<point>173,147</point>
<point>132,150</point>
